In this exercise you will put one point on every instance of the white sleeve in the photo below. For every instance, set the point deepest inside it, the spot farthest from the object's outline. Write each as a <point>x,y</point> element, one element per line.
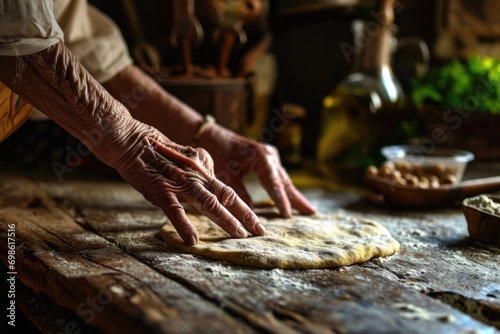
<point>27,27</point>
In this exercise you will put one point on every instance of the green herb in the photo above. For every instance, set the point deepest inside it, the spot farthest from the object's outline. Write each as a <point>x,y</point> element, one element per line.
<point>471,85</point>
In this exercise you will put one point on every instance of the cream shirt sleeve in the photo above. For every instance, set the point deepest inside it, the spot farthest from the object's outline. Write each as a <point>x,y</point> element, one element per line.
<point>27,27</point>
<point>30,26</point>
<point>93,38</point>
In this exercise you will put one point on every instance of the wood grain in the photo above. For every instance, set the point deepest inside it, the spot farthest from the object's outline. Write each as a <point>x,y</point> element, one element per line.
<point>87,236</point>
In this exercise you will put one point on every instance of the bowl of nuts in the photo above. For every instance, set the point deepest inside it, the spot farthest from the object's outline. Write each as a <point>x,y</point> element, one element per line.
<point>416,166</point>
<point>412,177</point>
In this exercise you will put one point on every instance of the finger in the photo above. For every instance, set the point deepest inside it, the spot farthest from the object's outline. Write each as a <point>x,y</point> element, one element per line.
<point>272,182</point>
<point>241,191</point>
<point>297,200</point>
<point>177,216</point>
<point>236,206</point>
<point>208,204</point>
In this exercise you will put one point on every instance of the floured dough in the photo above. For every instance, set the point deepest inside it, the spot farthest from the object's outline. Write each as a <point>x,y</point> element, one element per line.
<point>306,242</point>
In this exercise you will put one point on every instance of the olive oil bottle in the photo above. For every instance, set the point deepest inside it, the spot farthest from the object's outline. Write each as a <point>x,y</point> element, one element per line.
<point>365,110</point>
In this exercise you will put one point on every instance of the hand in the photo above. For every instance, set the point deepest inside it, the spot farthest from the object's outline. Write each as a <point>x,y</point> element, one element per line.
<point>168,174</point>
<point>164,172</point>
<point>236,156</point>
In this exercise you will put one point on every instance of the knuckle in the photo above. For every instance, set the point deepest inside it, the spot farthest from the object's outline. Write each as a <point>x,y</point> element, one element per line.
<point>172,209</point>
<point>270,149</point>
<point>191,152</point>
<point>177,175</point>
<point>202,153</point>
<point>276,185</point>
<point>205,157</point>
<point>196,192</point>
<point>228,197</point>
<point>196,153</point>
<point>287,183</point>
<point>209,202</point>
<point>159,199</point>
<point>248,219</point>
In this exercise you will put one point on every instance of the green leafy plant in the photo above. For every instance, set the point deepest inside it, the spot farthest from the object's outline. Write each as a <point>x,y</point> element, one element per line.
<point>471,85</point>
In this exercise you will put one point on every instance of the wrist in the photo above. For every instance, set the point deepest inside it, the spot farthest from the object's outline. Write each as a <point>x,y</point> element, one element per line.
<point>218,141</point>
<point>203,128</point>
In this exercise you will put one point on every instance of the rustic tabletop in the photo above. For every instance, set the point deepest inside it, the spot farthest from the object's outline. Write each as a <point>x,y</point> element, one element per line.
<point>88,259</point>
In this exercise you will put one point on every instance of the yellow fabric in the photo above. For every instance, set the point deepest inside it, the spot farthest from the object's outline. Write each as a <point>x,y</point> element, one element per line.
<point>13,111</point>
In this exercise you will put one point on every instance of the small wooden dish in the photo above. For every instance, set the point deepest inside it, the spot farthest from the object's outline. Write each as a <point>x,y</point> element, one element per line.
<point>482,226</point>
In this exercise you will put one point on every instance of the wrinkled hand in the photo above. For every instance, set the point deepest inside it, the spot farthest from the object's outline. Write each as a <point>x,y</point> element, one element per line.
<point>168,174</point>
<point>165,173</point>
<point>236,156</point>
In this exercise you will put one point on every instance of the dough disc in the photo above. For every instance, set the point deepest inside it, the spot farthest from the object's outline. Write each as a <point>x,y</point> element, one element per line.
<point>305,242</point>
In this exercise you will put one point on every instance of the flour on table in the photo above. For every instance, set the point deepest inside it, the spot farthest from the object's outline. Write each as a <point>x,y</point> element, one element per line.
<point>305,242</point>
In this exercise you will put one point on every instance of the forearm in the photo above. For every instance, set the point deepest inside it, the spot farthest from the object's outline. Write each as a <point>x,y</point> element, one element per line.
<point>54,82</point>
<point>148,102</point>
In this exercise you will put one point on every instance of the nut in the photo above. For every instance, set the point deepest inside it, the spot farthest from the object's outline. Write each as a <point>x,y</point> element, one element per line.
<point>371,171</point>
<point>403,166</point>
<point>435,169</point>
<point>402,172</point>
<point>448,179</point>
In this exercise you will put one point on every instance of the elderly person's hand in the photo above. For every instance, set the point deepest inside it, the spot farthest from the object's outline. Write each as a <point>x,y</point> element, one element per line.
<point>236,156</point>
<point>166,173</point>
<point>146,137</point>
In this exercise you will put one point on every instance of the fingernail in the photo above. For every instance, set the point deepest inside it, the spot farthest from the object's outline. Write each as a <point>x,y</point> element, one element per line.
<point>260,229</point>
<point>241,232</point>
<point>192,240</point>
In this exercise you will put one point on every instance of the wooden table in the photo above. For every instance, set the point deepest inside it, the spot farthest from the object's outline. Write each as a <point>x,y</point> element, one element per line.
<point>89,260</point>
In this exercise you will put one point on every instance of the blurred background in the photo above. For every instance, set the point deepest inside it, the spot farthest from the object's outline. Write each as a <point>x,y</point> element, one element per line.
<point>268,68</point>
<point>304,60</point>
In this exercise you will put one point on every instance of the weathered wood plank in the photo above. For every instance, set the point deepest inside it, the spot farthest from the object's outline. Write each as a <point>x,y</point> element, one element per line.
<point>40,314</point>
<point>277,300</point>
<point>81,271</point>
<point>438,258</point>
<point>376,297</point>
<point>313,301</point>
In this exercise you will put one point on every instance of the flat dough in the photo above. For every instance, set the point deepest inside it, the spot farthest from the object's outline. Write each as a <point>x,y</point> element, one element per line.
<point>305,242</point>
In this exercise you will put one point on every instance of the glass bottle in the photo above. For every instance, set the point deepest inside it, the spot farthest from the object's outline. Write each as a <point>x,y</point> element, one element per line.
<point>363,112</point>
<point>288,140</point>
